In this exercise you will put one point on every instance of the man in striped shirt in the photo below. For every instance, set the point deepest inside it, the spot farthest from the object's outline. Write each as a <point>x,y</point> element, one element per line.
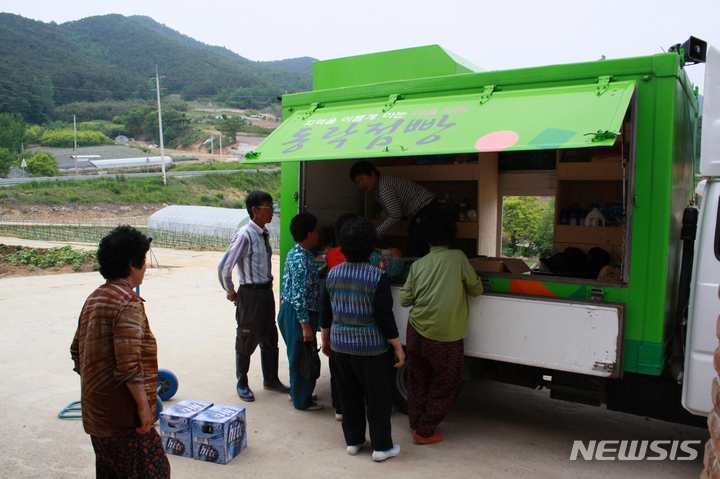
<point>399,197</point>
<point>255,313</point>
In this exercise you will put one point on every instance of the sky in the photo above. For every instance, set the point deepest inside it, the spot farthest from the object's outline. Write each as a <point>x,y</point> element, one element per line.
<point>496,35</point>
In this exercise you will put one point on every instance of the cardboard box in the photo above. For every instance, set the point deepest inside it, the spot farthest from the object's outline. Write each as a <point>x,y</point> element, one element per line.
<point>176,426</point>
<point>500,265</point>
<point>219,434</point>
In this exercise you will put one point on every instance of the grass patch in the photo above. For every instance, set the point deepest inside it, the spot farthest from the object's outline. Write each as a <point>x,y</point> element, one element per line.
<point>226,165</point>
<point>223,189</point>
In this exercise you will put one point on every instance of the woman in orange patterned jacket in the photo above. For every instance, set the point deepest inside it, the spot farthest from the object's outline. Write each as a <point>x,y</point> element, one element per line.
<point>115,353</point>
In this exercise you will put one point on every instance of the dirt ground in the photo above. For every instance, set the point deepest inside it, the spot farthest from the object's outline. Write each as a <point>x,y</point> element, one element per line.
<point>494,430</point>
<point>77,211</point>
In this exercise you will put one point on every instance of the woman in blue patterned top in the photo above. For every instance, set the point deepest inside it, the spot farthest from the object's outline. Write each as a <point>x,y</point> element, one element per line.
<point>357,324</point>
<point>300,305</point>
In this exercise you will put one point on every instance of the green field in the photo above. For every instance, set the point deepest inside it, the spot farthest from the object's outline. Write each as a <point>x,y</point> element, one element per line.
<point>226,190</point>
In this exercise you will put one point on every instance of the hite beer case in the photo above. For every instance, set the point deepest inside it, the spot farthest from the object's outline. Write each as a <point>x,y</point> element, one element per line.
<point>219,434</point>
<point>176,426</point>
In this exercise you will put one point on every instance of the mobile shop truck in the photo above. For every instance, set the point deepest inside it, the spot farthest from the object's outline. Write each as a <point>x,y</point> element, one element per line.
<point>607,132</point>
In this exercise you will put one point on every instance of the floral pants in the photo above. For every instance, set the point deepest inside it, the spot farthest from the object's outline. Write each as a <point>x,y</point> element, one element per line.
<point>131,456</point>
<point>434,374</point>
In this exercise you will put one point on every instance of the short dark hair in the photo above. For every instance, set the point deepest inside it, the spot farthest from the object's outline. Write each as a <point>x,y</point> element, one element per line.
<point>256,198</point>
<point>439,227</point>
<point>302,225</point>
<point>357,239</point>
<point>363,167</point>
<point>342,220</point>
<point>123,247</point>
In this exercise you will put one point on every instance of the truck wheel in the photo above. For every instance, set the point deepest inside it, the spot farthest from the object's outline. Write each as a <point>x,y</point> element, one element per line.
<point>399,391</point>
<point>167,384</point>
<point>159,408</point>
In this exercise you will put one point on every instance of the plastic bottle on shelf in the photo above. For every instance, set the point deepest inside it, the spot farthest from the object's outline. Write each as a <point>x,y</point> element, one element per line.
<point>462,211</point>
<point>564,217</point>
<point>595,217</point>
<point>472,216</point>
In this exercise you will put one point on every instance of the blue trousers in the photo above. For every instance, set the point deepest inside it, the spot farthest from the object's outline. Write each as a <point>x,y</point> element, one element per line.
<point>301,389</point>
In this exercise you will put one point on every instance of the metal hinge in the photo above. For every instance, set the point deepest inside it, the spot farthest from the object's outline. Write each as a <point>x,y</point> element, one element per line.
<point>603,85</point>
<point>596,293</point>
<point>391,102</point>
<point>394,149</point>
<point>486,94</point>
<point>603,366</point>
<point>602,135</point>
<point>309,113</point>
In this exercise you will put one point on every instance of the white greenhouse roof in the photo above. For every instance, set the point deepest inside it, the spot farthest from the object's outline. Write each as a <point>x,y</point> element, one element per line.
<point>130,162</point>
<point>205,220</point>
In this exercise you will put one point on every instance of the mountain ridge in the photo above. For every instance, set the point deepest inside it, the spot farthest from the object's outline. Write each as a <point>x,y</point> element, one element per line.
<point>114,56</point>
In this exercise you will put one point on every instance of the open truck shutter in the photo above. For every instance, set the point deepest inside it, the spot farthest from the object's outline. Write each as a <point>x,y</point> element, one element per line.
<point>549,118</point>
<point>561,334</point>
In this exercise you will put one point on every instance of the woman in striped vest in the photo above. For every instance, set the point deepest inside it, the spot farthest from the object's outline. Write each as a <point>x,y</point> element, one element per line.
<point>357,325</point>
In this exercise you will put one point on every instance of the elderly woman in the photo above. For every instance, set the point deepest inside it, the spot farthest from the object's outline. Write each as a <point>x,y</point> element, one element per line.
<point>357,324</point>
<point>115,354</point>
<point>298,317</point>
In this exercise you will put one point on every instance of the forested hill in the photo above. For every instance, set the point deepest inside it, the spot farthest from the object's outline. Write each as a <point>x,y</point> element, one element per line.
<point>43,65</point>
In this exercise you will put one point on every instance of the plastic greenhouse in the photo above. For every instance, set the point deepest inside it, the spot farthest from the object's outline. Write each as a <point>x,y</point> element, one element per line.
<point>205,220</point>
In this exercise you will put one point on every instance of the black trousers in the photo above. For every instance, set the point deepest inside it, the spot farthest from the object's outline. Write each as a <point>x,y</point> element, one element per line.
<point>417,243</point>
<point>361,379</point>
<point>255,315</point>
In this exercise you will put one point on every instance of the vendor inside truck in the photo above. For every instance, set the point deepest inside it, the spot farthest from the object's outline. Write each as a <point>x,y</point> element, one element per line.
<point>399,197</point>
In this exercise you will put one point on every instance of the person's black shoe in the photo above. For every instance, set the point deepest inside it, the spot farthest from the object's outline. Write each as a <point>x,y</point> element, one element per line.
<point>244,391</point>
<point>242,366</point>
<point>276,386</point>
<point>269,361</point>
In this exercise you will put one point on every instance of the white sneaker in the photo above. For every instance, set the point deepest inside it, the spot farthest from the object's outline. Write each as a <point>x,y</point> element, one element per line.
<point>352,450</point>
<point>379,456</point>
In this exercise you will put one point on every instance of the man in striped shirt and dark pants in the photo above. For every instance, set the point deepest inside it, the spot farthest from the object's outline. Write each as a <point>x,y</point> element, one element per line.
<point>255,313</point>
<point>399,197</point>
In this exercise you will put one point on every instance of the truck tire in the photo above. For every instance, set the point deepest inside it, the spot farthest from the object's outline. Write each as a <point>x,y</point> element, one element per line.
<point>399,390</point>
<point>167,384</point>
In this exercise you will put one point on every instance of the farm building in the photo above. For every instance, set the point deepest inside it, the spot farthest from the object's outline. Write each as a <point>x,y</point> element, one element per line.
<point>206,220</point>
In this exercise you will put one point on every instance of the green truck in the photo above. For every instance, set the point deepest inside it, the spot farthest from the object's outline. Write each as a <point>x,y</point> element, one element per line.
<point>617,133</point>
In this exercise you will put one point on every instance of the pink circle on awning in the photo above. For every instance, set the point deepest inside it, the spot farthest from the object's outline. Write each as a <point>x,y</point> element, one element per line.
<point>497,141</point>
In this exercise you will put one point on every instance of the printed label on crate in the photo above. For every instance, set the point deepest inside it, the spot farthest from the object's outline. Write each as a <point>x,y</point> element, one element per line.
<point>176,426</point>
<point>219,434</point>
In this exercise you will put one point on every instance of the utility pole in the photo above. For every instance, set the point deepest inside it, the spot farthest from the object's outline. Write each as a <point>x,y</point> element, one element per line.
<point>221,160</point>
<point>75,147</point>
<point>162,145</point>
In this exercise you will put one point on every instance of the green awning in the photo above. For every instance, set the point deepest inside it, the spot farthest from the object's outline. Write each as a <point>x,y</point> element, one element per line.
<point>551,118</point>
